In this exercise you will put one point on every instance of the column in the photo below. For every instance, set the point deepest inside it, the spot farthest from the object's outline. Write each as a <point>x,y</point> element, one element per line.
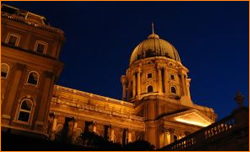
<point>54,125</point>
<point>185,84</point>
<point>188,87</point>
<point>139,83</point>
<point>129,91</point>
<point>94,127</point>
<point>54,122</point>
<point>134,85</point>
<point>112,134</point>
<point>129,136</point>
<point>74,133</point>
<point>163,80</point>
<point>75,125</point>
<point>166,81</point>
<point>171,132</point>
<point>43,107</point>
<point>123,80</point>
<point>8,105</point>
<point>123,92</point>
<point>159,80</point>
<point>184,87</point>
<point>167,138</point>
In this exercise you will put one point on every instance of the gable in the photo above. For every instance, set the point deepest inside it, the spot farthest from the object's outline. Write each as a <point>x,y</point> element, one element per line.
<point>191,117</point>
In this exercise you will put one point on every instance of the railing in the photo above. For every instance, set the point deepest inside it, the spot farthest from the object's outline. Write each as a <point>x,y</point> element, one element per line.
<point>203,135</point>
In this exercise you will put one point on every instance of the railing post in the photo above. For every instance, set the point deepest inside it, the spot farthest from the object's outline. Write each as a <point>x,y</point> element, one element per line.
<point>199,140</point>
<point>241,116</point>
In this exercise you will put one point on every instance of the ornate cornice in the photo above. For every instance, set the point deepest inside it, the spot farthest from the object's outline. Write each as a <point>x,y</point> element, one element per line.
<point>23,20</point>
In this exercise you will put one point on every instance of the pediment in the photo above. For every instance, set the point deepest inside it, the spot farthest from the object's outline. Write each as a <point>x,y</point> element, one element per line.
<point>191,117</point>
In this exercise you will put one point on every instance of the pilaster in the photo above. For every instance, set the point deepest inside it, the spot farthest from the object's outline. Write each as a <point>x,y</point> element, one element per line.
<point>41,120</point>
<point>139,82</point>
<point>7,108</point>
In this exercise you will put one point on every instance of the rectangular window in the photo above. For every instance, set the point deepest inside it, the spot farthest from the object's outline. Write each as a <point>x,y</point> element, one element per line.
<point>172,77</point>
<point>150,75</point>
<point>24,116</point>
<point>12,40</point>
<point>41,47</point>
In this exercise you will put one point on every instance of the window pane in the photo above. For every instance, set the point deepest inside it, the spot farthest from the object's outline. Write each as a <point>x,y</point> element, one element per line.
<point>150,53</point>
<point>3,74</point>
<point>12,40</point>
<point>150,89</point>
<point>40,48</point>
<point>4,71</point>
<point>173,90</point>
<point>33,77</point>
<point>26,105</point>
<point>150,75</point>
<point>24,116</point>
<point>172,77</point>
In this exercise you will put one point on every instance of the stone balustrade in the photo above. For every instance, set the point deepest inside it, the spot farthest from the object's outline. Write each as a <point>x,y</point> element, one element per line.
<point>200,137</point>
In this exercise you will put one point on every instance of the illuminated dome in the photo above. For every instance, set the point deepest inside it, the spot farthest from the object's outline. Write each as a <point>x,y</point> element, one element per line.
<point>154,47</point>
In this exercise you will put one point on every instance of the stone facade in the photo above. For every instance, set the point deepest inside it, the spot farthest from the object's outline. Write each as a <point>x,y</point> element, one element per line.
<point>29,68</point>
<point>101,111</point>
<point>156,103</point>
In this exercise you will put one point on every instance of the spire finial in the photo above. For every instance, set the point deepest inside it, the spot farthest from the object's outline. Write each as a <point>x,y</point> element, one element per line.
<point>153,28</point>
<point>153,35</point>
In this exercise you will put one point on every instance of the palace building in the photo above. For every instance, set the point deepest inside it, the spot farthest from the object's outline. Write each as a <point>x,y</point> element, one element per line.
<point>156,103</point>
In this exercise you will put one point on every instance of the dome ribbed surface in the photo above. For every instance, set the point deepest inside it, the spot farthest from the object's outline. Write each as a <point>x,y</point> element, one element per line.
<point>154,47</point>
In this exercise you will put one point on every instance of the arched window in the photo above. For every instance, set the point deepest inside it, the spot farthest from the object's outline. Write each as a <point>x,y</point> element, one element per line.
<point>4,70</point>
<point>173,90</point>
<point>150,88</point>
<point>33,78</point>
<point>25,110</point>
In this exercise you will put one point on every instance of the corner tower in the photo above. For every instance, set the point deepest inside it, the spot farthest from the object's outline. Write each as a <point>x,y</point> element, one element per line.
<point>159,86</point>
<point>29,68</point>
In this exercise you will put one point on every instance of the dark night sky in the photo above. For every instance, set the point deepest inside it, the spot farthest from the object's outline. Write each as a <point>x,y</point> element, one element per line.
<point>211,38</point>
